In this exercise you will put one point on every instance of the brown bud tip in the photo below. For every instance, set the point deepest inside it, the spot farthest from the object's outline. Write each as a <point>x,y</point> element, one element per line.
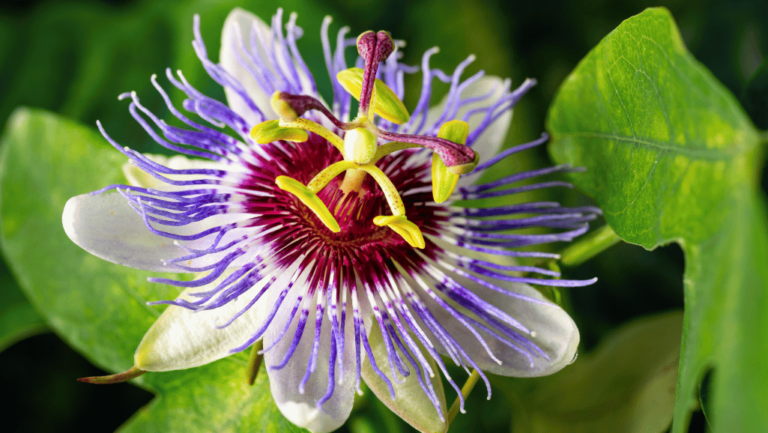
<point>113,378</point>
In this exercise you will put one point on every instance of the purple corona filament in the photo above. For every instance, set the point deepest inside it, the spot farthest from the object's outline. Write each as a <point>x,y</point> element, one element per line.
<point>254,242</point>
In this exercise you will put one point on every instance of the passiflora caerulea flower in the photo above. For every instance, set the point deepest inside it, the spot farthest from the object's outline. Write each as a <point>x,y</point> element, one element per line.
<point>336,244</point>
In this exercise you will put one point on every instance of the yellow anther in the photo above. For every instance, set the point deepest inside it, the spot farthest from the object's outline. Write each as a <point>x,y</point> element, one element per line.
<point>309,198</point>
<point>272,130</point>
<point>282,108</point>
<point>443,179</point>
<point>400,224</point>
<point>321,179</point>
<point>359,145</point>
<point>384,101</point>
<point>317,128</point>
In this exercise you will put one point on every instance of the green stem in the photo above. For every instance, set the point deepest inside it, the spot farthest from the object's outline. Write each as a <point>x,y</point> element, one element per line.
<point>113,378</point>
<point>465,391</point>
<point>589,246</point>
<point>764,137</point>
<point>254,362</point>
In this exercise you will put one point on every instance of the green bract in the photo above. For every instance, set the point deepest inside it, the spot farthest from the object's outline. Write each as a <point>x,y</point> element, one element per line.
<point>672,157</point>
<point>83,296</point>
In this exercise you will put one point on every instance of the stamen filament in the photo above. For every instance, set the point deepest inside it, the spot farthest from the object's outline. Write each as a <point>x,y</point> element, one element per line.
<point>310,199</point>
<point>389,189</point>
<point>318,129</point>
<point>321,179</point>
<point>406,229</point>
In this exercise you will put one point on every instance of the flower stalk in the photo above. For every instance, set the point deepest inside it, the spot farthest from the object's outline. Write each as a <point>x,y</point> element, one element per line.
<point>111,379</point>
<point>254,362</point>
<point>589,246</point>
<point>469,385</point>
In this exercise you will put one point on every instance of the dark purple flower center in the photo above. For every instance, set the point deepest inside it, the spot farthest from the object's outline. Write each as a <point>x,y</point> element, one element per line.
<point>290,222</point>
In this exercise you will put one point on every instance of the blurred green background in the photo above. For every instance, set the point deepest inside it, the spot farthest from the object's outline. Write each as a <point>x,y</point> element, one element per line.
<point>74,58</point>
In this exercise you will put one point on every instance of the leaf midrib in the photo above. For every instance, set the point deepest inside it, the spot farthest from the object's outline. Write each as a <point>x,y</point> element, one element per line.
<point>692,152</point>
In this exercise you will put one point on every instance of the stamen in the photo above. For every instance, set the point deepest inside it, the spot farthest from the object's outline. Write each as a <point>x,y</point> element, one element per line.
<point>400,224</point>
<point>318,129</point>
<point>272,130</point>
<point>321,179</point>
<point>310,199</point>
<point>389,189</point>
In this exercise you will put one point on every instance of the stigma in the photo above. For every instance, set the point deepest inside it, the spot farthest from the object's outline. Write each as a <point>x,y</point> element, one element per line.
<point>363,143</point>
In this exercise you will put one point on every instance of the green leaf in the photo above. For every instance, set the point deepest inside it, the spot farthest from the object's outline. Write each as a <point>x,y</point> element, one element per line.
<point>626,385</point>
<point>18,318</point>
<point>98,307</point>
<point>672,157</point>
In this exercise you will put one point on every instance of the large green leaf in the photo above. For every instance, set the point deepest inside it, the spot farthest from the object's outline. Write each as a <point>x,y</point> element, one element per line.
<point>672,157</point>
<point>627,385</point>
<point>97,307</point>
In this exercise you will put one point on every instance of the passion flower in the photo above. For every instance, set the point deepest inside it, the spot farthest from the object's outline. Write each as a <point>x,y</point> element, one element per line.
<point>336,245</point>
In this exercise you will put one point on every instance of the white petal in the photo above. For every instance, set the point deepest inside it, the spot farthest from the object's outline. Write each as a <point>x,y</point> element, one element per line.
<point>228,57</point>
<point>554,330</point>
<point>300,408</point>
<point>555,333</point>
<point>106,226</point>
<point>140,178</point>
<point>232,56</point>
<point>182,338</point>
<point>489,143</point>
<point>411,402</point>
